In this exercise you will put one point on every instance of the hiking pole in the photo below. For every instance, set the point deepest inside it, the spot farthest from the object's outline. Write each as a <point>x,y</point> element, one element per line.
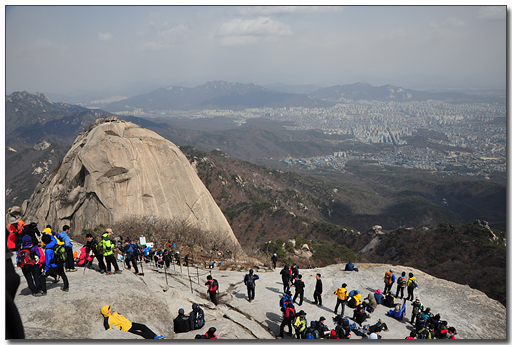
<point>165,272</point>
<point>190,280</point>
<point>197,268</point>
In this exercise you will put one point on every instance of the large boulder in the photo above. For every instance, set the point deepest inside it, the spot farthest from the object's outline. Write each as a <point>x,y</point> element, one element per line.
<point>117,169</point>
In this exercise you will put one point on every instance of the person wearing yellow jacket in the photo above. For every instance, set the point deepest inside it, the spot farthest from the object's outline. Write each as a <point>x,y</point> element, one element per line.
<point>411,284</point>
<point>48,231</point>
<point>300,325</point>
<point>108,248</point>
<point>119,322</point>
<point>342,295</point>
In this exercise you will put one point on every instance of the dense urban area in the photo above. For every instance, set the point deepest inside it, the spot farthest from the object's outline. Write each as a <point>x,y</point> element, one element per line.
<point>476,131</point>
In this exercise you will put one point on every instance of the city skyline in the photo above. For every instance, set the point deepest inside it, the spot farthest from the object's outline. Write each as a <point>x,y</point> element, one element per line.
<point>422,47</point>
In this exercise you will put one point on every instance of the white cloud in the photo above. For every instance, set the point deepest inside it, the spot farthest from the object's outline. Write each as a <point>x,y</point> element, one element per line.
<point>270,10</point>
<point>261,26</point>
<point>105,37</point>
<point>492,12</point>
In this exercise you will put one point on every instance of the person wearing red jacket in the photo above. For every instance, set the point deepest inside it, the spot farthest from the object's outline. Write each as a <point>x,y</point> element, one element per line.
<point>288,315</point>
<point>211,333</point>
<point>213,286</point>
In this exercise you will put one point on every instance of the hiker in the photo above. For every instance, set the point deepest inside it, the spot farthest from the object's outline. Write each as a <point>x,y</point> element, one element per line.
<point>378,296</point>
<point>349,266</point>
<point>389,280</point>
<point>360,315</point>
<point>294,273</point>
<point>53,264</point>
<point>285,277</point>
<point>371,305</point>
<point>375,334</point>
<point>285,300</point>
<point>411,284</point>
<point>317,295</point>
<point>213,286</point>
<point>186,260</point>
<point>417,308</point>
<point>398,313</point>
<point>250,282</point>
<point>210,334</point>
<point>274,260</point>
<point>119,322</point>
<point>31,230</point>
<point>131,255</point>
<point>84,259</point>
<point>401,283</point>
<point>354,299</point>
<point>299,289</point>
<point>288,316</point>
<point>182,322</point>
<point>389,301</point>
<point>322,328</point>
<point>300,325</point>
<point>196,317</point>
<point>92,244</point>
<point>412,335</point>
<point>342,295</point>
<point>427,315</point>
<point>177,258</point>
<point>15,228</point>
<point>379,325</point>
<point>167,258</point>
<point>28,261</point>
<point>108,247</point>
<point>64,237</point>
<point>342,329</point>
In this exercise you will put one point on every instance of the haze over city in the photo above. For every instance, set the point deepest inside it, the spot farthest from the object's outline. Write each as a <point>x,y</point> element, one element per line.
<point>141,48</point>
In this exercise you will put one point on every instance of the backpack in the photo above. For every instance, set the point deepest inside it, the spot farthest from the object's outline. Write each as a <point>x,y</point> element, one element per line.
<point>200,336</point>
<point>25,258</point>
<point>136,250</point>
<point>40,254</point>
<point>100,249</point>
<point>333,334</point>
<point>402,281</point>
<point>60,255</point>
<point>387,278</point>
<point>199,323</point>
<point>250,280</point>
<point>352,302</point>
<point>423,333</point>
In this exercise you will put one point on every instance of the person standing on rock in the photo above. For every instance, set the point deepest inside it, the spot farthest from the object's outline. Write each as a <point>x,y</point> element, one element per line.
<point>28,261</point>
<point>299,289</point>
<point>131,255</point>
<point>295,273</point>
<point>389,279</point>
<point>274,260</point>
<point>250,282</point>
<point>342,295</point>
<point>285,277</point>
<point>417,308</point>
<point>411,284</point>
<point>108,248</point>
<point>91,244</point>
<point>64,237</point>
<point>288,315</point>
<point>119,322</point>
<point>300,325</point>
<point>213,287</point>
<point>317,295</point>
<point>401,283</point>
<point>52,264</point>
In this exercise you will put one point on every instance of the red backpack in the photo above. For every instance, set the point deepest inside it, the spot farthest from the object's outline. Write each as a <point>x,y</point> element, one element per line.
<point>333,334</point>
<point>25,258</point>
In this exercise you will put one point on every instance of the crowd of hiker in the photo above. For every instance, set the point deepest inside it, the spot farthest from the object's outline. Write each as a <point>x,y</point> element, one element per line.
<point>47,254</point>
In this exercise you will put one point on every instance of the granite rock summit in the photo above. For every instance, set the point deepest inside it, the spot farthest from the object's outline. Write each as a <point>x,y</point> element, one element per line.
<point>116,169</point>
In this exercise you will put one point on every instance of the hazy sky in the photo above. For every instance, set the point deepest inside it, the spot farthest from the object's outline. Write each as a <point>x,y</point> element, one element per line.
<point>59,49</point>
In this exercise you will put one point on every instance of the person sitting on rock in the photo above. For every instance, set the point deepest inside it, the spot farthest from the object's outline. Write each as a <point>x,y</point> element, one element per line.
<point>427,315</point>
<point>412,335</point>
<point>370,302</point>
<point>181,322</point>
<point>360,315</point>
<point>378,296</point>
<point>354,299</point>
<point>375,334</point>
<point>389,301</point>
<point>379,325</point>
<point>398,313</point>
<point>119,322</point>
<point>349,266</point>
<point>211,333</point>
<point>322,328</point>
<point>196,317</point>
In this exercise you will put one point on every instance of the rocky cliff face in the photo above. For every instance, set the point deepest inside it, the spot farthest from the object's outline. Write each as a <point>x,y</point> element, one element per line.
<point>118,169</point>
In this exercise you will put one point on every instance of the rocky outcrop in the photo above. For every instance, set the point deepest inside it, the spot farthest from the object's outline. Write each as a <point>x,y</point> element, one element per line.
<point>117,169</point>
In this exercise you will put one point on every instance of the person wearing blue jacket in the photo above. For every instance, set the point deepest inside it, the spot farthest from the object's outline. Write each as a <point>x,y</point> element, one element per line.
<point>131,255</point>
<point>51,264</point>
<point>64,237</point>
